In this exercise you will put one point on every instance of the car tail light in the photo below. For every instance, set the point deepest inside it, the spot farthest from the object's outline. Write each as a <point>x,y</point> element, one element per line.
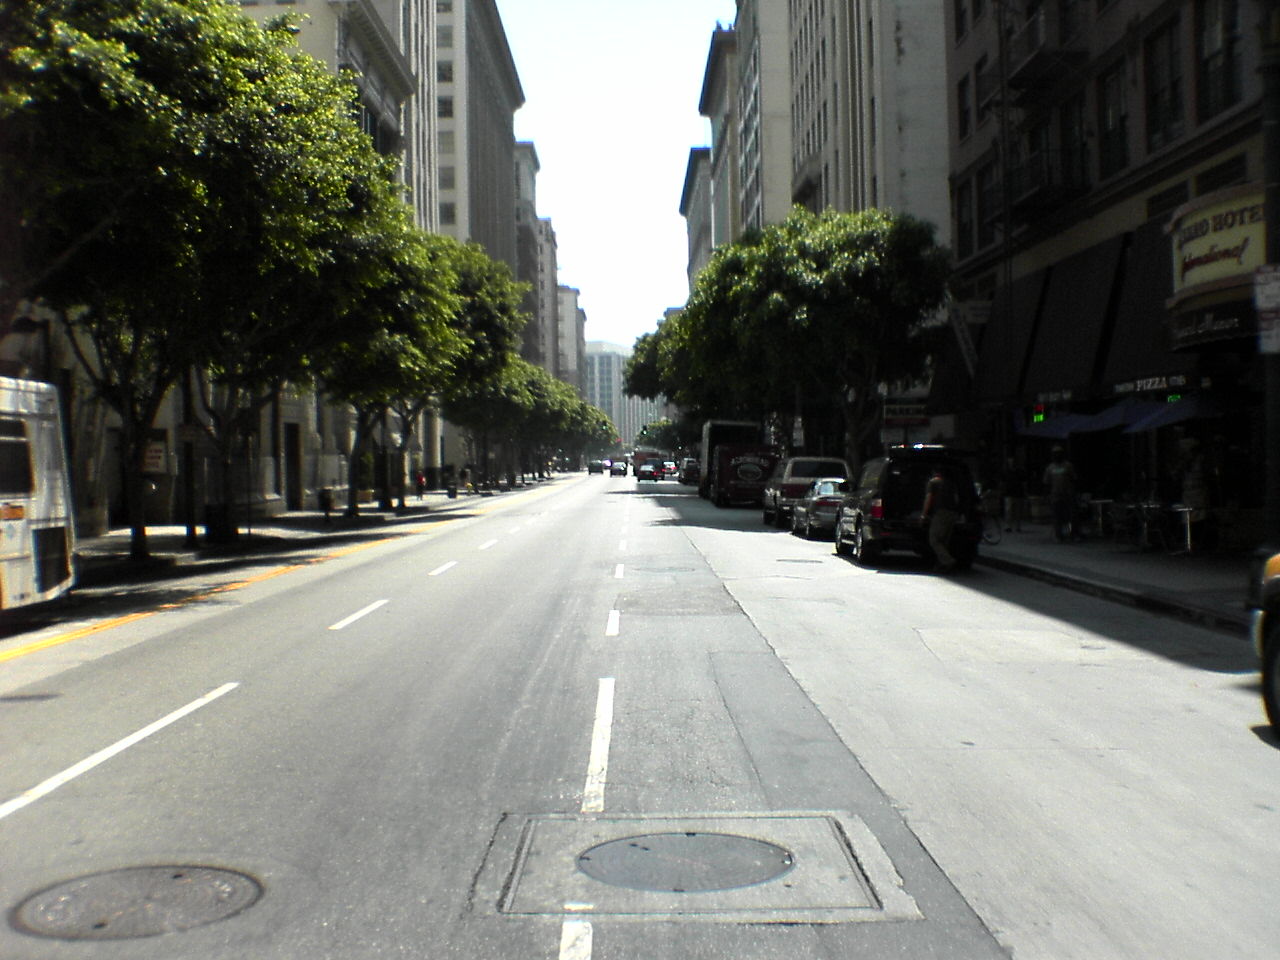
<point>877,509</point>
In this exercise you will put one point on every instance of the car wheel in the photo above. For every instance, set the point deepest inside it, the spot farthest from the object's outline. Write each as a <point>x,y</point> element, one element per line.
<point>864,551</point>
<point>808,527</point>
<point>795,525</point>
<point>1271,673</point>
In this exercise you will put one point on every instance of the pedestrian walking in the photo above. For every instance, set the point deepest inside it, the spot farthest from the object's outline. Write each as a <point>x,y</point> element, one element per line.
<point>1013,484</point>
<point>940,510</point>
<point>1060,481</point>
<point>420,481</point>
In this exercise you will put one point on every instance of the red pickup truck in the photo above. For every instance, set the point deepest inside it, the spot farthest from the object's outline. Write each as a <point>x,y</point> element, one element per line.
<point>789,481</point>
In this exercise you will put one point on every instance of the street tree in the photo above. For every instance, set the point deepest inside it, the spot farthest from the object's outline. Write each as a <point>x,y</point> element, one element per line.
<point>164,160</point>
<point>831,305</point>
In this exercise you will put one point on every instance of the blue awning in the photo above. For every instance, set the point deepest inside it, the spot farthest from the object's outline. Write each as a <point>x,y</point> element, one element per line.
<point>1198,406</point>
<point>1127,412</point>
<point>1055,428</point>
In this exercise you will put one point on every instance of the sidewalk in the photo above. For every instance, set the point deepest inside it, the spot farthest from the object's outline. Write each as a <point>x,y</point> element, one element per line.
<point>104,560</point>
<point>1206,588</point>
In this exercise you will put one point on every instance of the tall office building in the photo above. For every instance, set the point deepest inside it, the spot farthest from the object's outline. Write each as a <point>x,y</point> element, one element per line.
<point>479,93</point>
<point>606,365</point>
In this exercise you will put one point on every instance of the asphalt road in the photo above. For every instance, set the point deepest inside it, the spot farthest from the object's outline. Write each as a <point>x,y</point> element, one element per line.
<point>605,720</point>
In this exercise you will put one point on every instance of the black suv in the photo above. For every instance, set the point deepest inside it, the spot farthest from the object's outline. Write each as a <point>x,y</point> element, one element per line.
<point>1264,605</point>
<point>881,511</point>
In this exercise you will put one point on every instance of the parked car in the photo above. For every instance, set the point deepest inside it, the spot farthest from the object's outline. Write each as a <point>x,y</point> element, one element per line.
<point>881,510</point>
<point>618,468</point>
<point>817,509</point>
<point>690,470</point>
<point>789,481</point>
<point>1264,606</point>
<point>649,470</point>
<point>595,466</point>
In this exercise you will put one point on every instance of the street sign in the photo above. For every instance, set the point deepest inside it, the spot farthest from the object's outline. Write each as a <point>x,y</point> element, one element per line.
<point>1266,300</point>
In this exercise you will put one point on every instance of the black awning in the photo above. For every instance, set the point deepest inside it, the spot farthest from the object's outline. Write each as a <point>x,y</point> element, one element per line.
<point>1065,353</point>
<point>1140,348</point>
<point>1006,338</point>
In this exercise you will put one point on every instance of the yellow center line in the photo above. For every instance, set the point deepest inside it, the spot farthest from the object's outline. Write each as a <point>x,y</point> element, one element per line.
<point>49,642</point>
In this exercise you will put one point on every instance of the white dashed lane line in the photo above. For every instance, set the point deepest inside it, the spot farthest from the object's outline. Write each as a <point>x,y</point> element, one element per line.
<point>443,568</point>
<point>487,544</point>
<point>357,615</point>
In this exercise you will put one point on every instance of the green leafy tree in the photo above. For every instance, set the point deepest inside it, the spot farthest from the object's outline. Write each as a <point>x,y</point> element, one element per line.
<point>830,305</point>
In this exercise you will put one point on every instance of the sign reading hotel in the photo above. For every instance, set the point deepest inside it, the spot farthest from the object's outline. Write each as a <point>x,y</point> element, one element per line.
<point>1219,240</point>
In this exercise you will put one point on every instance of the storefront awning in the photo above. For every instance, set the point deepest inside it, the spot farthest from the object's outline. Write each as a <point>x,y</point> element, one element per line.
<point>1065,354</point>
<point>1198,406</point>
<point>1006,337</point>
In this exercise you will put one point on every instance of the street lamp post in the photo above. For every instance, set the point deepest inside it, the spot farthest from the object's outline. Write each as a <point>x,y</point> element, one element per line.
<point>1270,28</point>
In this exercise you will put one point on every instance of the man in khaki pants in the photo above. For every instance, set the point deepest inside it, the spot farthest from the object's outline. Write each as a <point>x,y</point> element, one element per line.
<point>940,510</point>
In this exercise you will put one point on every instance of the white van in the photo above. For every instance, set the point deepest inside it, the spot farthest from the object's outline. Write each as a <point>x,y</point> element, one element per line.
<point>37,536</point>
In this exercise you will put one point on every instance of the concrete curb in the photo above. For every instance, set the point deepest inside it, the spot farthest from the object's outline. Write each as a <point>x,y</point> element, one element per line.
<point>1162,604</point>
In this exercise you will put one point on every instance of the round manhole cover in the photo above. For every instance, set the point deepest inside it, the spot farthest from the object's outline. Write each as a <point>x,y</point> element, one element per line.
<point>685,862</point>
<point>136,902</point>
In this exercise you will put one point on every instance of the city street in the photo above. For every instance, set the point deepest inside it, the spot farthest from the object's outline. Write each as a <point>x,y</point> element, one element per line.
<point>604,719</point>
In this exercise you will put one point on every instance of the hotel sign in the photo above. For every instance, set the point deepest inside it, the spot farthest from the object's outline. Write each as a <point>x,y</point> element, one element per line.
<point>1219,240</point>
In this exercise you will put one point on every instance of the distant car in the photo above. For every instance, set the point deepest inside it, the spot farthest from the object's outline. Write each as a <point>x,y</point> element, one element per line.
<point>649,470</point>
<point>1264,606</point>
<point>669,469</point>
<point>881,510</point>
<point>595,466</point>
<point>690,470</point>
<point>618,468</point>
<point>818,508</point>
<point>790,479</point>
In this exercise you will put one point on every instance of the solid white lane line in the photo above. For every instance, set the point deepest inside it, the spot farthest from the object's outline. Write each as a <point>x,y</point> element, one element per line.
<point>442,568</point>
<point>617,572</point>
<point>575,940</point>
<point>487,544</point>
<point>615,623</point>
<point>598,762</point>
<point>358,614</point>
<point>84,766</point>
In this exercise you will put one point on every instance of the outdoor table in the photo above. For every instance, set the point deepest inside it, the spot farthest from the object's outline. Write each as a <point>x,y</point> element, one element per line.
<point>1186,525</point>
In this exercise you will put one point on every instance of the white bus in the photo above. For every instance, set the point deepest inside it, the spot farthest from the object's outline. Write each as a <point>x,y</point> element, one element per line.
<point>37,536</point>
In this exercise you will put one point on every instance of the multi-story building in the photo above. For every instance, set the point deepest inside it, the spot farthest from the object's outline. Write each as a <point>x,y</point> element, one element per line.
<point>605,370</point>
<point>696,208</point>
<point>763,112</point>
<point>572,344</point>
<point>1107,190</point>
<point>548,293</point>
<point>868,107</point>
<point>528,251</point>
<point>719,104</point>
<point>479,93</point>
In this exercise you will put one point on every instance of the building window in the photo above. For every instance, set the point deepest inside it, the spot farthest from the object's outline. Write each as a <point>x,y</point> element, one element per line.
<point>448,214</point>
<point>962,17</point>
<point>1113,122</point>
<point>1218,83</point>
<point>446,142</point>
<point>990,204</point>
<point>444,36</point>
<point>1074,141</point>
<point>444,6</point>
<point>963,115</point>
<point>448,178</point>
<point>444,71</point>
<point>444,107</point>
<point>986,85</point>
<point>1164,86</point>
<point>964,219</point>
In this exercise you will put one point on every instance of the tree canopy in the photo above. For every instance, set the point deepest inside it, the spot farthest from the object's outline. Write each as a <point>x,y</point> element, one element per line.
<point>827,306</point>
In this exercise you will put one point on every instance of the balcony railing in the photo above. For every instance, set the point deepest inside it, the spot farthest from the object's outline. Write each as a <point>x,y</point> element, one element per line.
<point>1049,41</point>
<point>1047,179</point>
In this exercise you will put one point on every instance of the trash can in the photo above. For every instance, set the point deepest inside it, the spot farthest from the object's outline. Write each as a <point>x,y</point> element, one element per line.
<point>452,491</point>
<point>326,500</point>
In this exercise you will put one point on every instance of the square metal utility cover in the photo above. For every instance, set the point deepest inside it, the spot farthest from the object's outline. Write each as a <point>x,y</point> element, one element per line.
<point>815,867</point>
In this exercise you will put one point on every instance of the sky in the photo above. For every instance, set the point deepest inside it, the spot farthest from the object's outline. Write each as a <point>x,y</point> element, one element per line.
<point>611,105</point>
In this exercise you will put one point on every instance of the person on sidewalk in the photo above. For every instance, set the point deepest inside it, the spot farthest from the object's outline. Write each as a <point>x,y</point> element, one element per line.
<point>1060,480</point>
<point>940,510</point>
<point>1013,482</point>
